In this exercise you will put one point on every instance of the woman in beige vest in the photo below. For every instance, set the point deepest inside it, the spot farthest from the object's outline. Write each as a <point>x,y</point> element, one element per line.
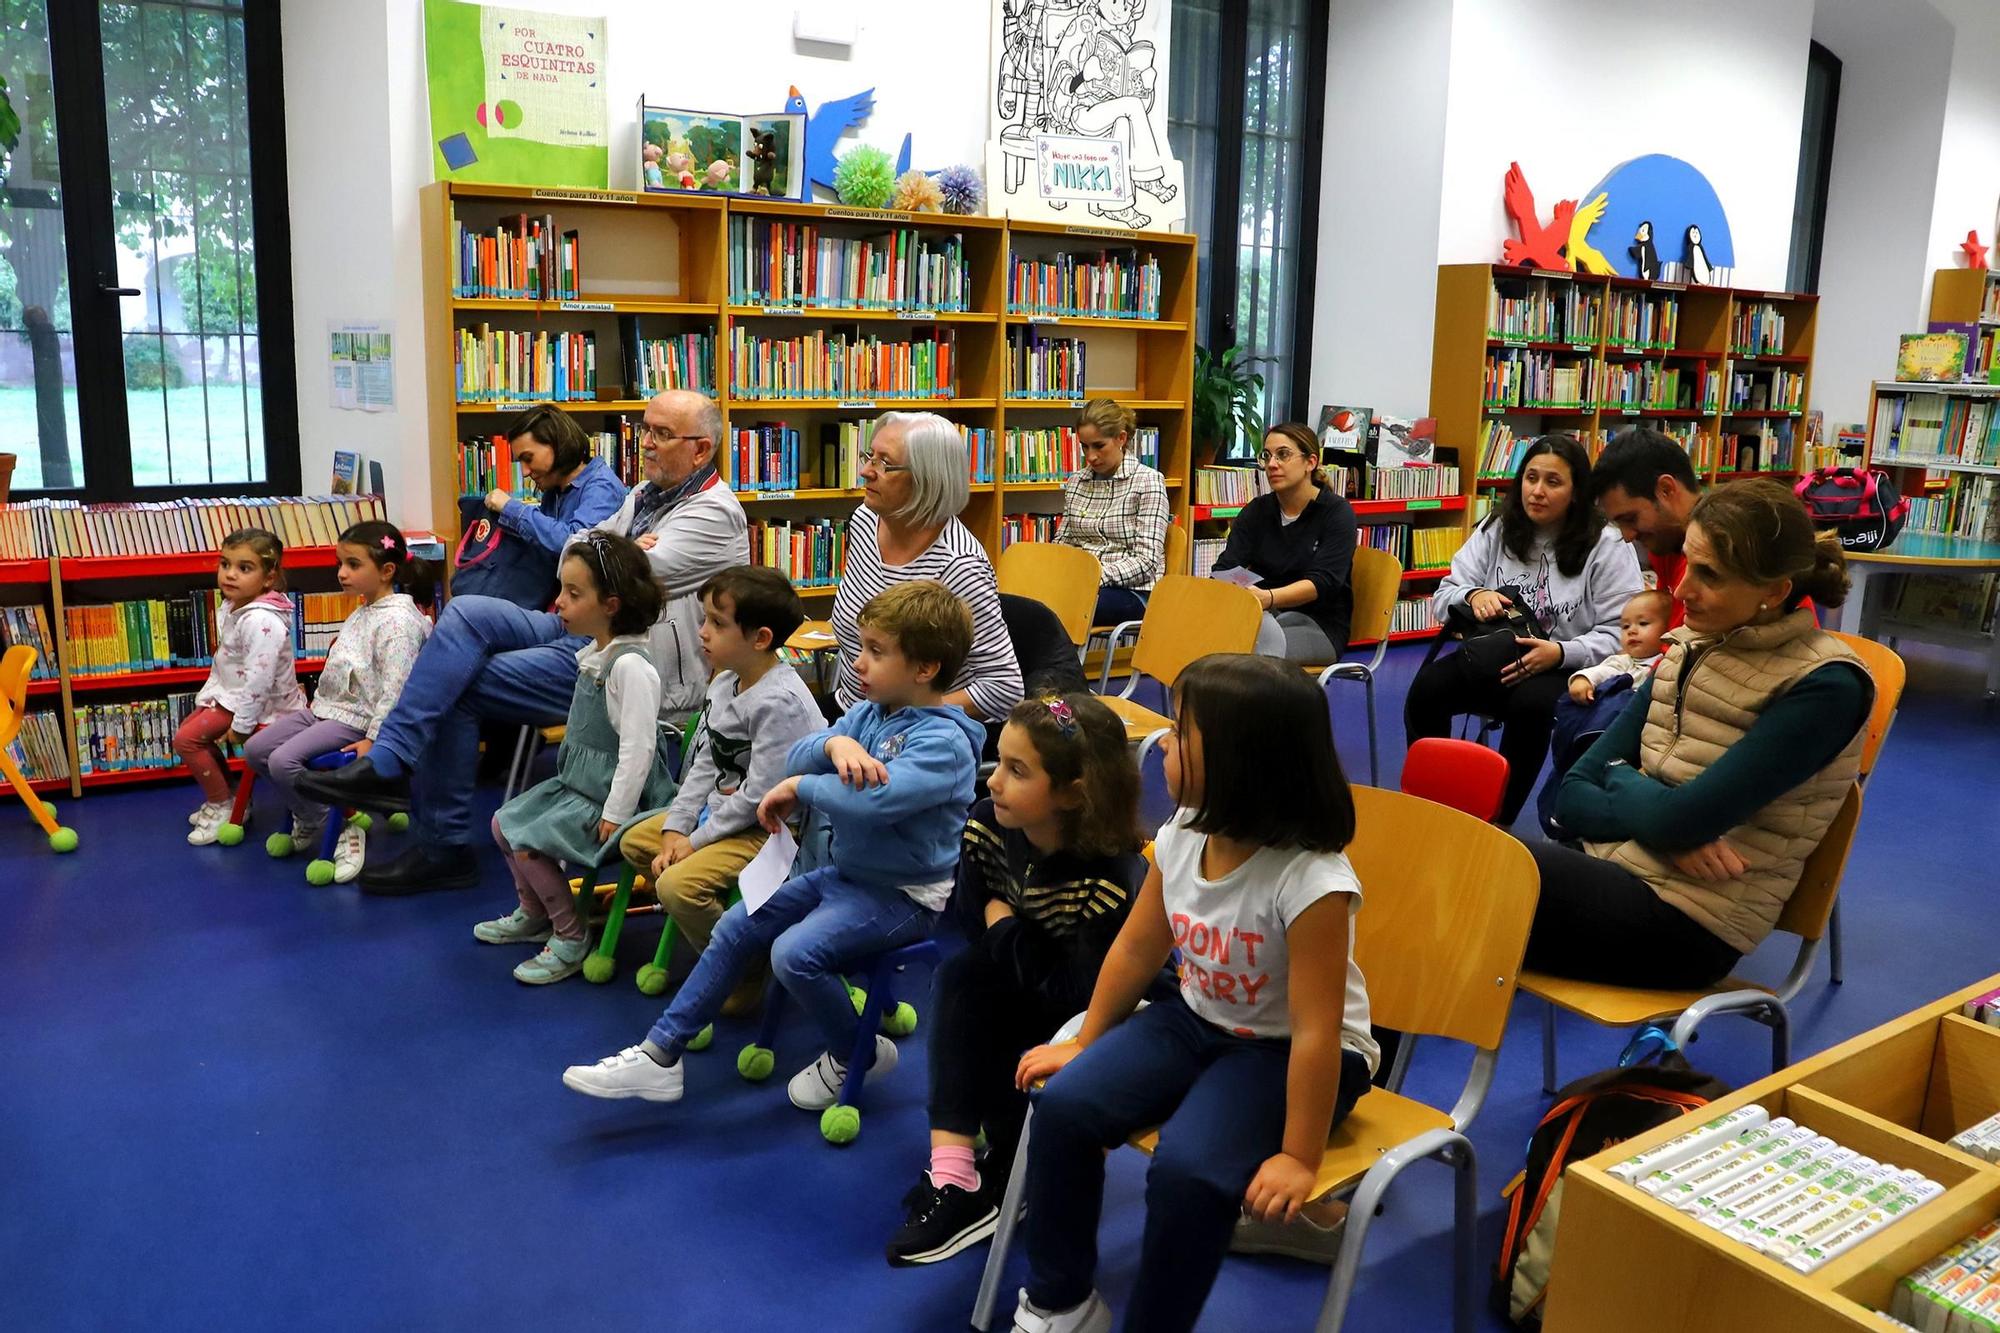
<point>1698,807</point>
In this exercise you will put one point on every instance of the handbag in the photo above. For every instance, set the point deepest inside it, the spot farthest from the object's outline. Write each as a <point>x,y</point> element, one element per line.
<point>1489,647</point>
<point>1861,504</point>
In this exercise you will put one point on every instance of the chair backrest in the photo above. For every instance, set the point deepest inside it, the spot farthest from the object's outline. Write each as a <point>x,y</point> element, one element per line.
<point>1811,903</point>
<point>16,664</point>
<point>1376,580</point>
<point>1177,550</point>
<point>1456,773</point>
<point>1062,578</point>
<point>1187,618</point>
<point>1886,666</point>
<point>1446,902</point>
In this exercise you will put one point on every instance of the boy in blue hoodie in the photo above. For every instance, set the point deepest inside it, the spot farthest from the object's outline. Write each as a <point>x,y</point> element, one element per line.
<point>894,778</point>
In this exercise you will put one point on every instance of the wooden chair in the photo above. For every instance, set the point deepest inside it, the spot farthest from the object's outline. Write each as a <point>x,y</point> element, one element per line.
<point>1440,941</point>
<point>1176,554</point>
<point>1805,915</point>
<point>1063,578</point>
<point>16,665</point>
<point>1186,618</point>
<point>1456,773</point>
<point>1376,579</point>
<point>1886,666</point>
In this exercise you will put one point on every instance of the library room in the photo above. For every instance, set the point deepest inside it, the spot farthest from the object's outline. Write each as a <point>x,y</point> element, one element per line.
<point>598,650</point>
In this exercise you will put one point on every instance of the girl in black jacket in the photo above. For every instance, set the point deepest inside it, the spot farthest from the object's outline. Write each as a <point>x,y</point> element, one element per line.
<point>1299,542</point>
<point>1046,875</point>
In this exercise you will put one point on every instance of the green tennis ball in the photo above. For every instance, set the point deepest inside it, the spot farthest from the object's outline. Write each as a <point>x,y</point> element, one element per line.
<point>701,1039</point>
<point>755,1062</point>
<point>50,808</point>
<point>63,840</point>
<point>278,845</point>
<point>865,177</point>
<point>598,968</point>
<point>229,835</point>
<point>398,822</point>
<point>319,873</point>
<point>900,1021</point>
<point>363,820</point>
<point>859,998</point>
<point>840,1124</point>
<point>652,980</point>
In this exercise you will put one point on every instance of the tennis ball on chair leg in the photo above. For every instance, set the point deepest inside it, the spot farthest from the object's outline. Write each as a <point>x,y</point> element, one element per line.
<point>229,835</point>
<point>278,845</point>
<point>598,968</point>
<point>700,1040</point>
<point>398,822</point>
<point>900,1021</point>
<point>859,998</point>
<point>63,840</point>
<point>50,807</point>
<point>756,1062</point>
<point>362,820</point>
<point>840,1124</point>
<point>652,980</point>
<point>319,873</point>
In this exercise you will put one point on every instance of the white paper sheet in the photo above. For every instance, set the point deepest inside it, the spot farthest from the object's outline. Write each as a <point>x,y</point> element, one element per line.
<point>1237,575</point>
<point>768,869</point>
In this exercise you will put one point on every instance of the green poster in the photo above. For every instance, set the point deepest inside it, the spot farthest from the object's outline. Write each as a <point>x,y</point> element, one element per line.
<point>517,97</point>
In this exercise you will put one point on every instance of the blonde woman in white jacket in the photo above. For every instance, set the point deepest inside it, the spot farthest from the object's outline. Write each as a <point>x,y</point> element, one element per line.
<point>1547,544</point>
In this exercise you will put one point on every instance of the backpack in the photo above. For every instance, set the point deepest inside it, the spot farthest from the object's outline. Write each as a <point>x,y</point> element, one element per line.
<point>1589,1116</point>
<point>1862,505</point>
<point>493,562</point>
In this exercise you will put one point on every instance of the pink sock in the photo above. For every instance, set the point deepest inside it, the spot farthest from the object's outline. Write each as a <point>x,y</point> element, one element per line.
<point>952,1165</point>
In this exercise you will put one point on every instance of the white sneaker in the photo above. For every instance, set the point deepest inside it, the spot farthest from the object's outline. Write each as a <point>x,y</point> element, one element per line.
<point>207,820</point>
<point>1093,1316</point>
<point>818,1085</point>
<point>517,927</point>
<point>630,1073</point>
<point>349,850</point>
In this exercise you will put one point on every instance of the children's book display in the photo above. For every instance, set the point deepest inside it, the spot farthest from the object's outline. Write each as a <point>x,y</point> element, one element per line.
<point>777,262</point>
<point>521,258</point>
<point>1931,358</point>
<point>516,366</point>
<point>179,631</point>
<point>38,748</point>
<point>844,366</point>
<point>37,529</point>
<point>1029,528</point>
<point>722,152</point>
<point>1110,284</point>
<point>810,552</point>
<point>30,625</point>
<point>1041,366</point>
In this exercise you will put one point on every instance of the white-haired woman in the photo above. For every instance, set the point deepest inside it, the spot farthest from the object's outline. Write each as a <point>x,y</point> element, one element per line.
<point>913,476</point>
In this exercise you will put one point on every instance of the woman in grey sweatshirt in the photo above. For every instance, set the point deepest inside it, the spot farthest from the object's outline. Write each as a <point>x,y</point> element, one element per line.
<point>1547,545</point>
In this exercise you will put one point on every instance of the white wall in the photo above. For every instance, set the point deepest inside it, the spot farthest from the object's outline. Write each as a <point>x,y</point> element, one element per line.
<point>1968,175</point>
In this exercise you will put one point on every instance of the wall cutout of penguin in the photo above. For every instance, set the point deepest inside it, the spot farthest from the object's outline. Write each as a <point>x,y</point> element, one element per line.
<point>1699,269</point>
<point>1643,255</point>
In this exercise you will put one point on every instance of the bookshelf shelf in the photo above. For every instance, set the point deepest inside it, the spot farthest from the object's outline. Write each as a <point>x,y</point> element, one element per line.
<point>1400,636</point>
<point>1770,358</point>
<point>1444,502</point>
<point>25,571</point>
<point>847,314</point>
<point>858,404</point>
<point>578,405</point>
<point>1098,322</point>
<point>584,305</point>
<point>38,688</point>
<point>76,567</point>
<point>808,493</point>
<point>1761,414</point>
<point>1073,404</point>
<point>1413,575</point>
<point>160,677</point>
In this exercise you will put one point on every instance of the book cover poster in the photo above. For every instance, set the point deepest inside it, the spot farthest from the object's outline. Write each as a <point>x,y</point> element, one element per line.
<point>1931,358</point>
<point>721,152</point>
<point>1345,429</point>
<point>1079,124</point>
<point>516,96</point>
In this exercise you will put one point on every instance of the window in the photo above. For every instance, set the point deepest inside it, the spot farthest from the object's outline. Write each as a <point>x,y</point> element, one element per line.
<point>1815,168</point>
<point>1252,171</point>
<point>139,213</point>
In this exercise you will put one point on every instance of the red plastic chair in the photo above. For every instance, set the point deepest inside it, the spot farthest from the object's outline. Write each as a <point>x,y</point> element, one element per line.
<point>1459,774</point>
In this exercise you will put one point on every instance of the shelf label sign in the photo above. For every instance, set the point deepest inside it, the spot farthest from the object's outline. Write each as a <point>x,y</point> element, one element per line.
<point>1424,504</point>
<point>857,404</point>
<point>781,310</point>
<point>604,306</point>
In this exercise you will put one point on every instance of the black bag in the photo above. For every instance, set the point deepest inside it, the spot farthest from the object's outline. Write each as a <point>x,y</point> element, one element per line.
<point>493,562</point>
<point>1862,505</point>
<point>1589,1116</point>
<point>1489,647</point>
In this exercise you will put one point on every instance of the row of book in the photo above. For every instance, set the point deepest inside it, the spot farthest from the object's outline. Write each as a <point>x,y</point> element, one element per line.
<point>179,631</point>
<point>1757,329</point>
<point>37,529</point>
<point>521,258</point>
<point>1111,284</point>
<point>1537,310</point>
<point>682,361</point>
<point>1772,390</point>
<point>1621,384</point>
<point>1028,528</point>
<point>38,749</point>
<point>1958,1290</point>
<point>1519,377</point>
<point>507,365</point>
<point>1416,481</point>
<point>30,625</point>
<point>121,737</point>
<point>1040,366</point>
<point>489,464</point>
<point>1914,427</point>
<point>1228,485</point>
<point>1643,319</point>
<point>798,264</point>
<point>1768,448</point>
<point>842,366</point>
<point>811,552</point>
<point>770,457</point>
<point>1413,615</point>
<point>1413,547</point>
<point>1968,506</point>
<point>1053,454</point>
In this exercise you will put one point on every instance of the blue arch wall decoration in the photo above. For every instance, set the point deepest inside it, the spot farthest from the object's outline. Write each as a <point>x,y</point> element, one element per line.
<point>1672,195</point>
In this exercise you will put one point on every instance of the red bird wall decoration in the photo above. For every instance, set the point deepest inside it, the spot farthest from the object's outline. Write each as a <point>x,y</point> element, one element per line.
<point>1539,246</point>
<point>1975,253</point>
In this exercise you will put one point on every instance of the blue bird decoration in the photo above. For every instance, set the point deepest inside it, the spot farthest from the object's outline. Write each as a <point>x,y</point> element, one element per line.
<point>827,123</point>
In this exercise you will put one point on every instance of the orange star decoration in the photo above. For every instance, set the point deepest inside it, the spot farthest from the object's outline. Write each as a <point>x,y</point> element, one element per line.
<point>1975,253</point>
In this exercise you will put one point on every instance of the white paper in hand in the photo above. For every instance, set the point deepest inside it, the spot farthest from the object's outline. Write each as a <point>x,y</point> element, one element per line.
<point>1237,575</point>
<point>768,869</point>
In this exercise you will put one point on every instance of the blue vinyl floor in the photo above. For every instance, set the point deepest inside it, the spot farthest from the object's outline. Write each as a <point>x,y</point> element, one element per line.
<point>230,1101</point>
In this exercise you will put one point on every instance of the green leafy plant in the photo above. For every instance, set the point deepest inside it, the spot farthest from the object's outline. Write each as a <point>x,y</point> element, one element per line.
<point>10,120</point>
<point>1228,400</point>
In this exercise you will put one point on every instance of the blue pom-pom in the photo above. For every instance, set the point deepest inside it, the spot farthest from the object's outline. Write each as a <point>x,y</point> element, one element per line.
<point>962,190</point>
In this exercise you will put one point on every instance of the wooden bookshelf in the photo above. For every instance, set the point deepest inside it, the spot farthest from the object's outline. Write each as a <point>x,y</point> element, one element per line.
<point>1628,1261</point>
<point>666,260</point>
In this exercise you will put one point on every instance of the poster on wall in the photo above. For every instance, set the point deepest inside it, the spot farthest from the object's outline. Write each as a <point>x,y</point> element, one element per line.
<point>516,97</point>
<point>361,365</point>
<point>1079,125</point>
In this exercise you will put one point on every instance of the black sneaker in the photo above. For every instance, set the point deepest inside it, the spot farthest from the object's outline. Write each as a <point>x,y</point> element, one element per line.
<point>942,1220</point>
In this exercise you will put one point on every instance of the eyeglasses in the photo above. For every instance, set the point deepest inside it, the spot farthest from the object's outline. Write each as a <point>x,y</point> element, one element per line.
<point>661,435</point>
<point>1279,456</point>
<point>869,458</point>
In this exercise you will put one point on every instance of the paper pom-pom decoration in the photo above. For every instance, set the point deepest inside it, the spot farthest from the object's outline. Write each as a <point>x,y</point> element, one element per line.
<point>917,193</point>
<point>961,189</point>
<point>865,178</point>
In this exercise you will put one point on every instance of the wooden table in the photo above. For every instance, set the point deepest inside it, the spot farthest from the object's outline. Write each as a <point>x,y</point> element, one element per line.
<point>815,639</point>
<point>1920,553</point>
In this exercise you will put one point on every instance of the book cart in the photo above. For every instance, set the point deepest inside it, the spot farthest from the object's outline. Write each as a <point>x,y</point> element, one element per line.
<point>699,271</point>
<point>1628,1261</point>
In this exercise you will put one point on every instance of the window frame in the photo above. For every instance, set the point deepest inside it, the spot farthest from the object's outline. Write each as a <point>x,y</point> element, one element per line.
<point>76,61</point>
<point>1815,174</point>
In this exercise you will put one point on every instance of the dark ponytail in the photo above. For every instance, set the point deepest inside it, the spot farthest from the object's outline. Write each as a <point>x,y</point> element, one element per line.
<point>386,546</point>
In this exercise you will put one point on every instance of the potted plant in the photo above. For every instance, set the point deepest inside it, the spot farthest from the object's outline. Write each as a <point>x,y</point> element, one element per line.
<point>1228,400</point>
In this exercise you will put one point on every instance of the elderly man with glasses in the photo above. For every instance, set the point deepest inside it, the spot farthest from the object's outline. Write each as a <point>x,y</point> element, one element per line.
<point>493,660</point>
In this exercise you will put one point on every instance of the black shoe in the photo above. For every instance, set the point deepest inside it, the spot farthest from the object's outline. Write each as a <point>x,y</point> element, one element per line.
<point>356,785</point>
<point>942,1221</point>
<point>420,870</point>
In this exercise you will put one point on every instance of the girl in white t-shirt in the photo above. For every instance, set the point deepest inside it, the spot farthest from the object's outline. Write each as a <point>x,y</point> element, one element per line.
<point>1265,1046</point>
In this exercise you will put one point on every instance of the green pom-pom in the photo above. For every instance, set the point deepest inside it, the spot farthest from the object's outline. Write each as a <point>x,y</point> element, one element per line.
<point>652,980</point>
<point>278,845</point>
<point>858,998</point>
<point>840,1124</point>
<point>63,840</point>
<point>755,1062</point>
<point>398,822</point>
<point>598,968</point>
<point>900,1021</point>
<point>700,1040</point>
<point>865,177</point>
<point>319,873</point>
<point>229,835</point>
<point>362,820</point>
<point>49,807</point>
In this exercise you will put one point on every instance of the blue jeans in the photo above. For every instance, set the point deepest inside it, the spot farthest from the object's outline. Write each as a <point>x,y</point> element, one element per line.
<point>487,658</point>
<point>815,925</point>
<point>1115,606</point>
<point>1220,1102</point>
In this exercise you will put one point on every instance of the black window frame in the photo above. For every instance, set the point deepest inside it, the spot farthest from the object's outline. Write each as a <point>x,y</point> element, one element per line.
<point>76,63</point>
<point>1816,131</point>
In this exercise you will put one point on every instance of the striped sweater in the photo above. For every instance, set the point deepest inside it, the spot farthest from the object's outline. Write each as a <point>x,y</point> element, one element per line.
<point>957,560</point>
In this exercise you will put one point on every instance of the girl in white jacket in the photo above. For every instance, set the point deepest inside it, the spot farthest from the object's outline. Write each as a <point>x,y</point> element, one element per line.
<point>1548,546</point>
<point>365,669</point>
